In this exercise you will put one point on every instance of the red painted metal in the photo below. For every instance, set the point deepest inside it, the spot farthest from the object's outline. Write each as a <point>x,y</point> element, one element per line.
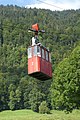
<point>34,64</point>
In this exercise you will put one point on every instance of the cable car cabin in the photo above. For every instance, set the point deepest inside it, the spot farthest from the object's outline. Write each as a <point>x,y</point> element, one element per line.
<point>39,62</point>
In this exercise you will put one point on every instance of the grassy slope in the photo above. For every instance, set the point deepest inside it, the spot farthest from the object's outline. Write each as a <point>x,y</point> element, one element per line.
<point>30,115</point>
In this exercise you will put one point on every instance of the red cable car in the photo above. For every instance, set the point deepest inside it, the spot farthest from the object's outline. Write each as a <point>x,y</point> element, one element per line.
<point>39,62</point>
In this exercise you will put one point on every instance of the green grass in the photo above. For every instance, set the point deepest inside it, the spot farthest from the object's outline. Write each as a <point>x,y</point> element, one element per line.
<point>30,115</point>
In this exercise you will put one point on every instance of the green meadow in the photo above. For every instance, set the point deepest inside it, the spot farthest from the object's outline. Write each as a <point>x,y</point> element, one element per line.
<point>30,115</point>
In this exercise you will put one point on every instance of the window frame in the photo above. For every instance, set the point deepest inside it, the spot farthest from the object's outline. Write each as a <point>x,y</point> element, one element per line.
<point>47,55</point>
<point>39,51</point>
<point>43,53</point>
<point>29,52</point>
<point>35,51</point>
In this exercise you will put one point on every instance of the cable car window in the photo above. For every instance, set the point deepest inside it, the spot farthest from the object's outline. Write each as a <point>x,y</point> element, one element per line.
<point>38,51</point>
<point>47,55</point>
<point>29,52</point>
<point>35,51</point>
<point>43,55</point>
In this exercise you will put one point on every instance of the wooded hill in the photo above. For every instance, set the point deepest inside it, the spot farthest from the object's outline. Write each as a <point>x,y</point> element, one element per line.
<point>62,37</point>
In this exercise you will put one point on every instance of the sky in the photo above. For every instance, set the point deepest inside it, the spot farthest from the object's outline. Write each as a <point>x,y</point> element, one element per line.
<point>45,4</point>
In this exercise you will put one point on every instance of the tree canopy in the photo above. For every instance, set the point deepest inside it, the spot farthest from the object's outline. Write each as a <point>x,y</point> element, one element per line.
<point>62,36</point>
<point>66,84</point>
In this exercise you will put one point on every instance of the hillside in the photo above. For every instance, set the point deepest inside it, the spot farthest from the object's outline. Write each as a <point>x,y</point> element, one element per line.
<point>17,89</point>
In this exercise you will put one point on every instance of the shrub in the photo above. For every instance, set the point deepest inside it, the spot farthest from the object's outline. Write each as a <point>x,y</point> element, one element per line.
<point>34,107</point>
<point>43,108</point>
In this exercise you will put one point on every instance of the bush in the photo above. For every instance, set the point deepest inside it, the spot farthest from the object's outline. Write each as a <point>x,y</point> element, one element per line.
<point>43,108</point>
<point>34,107</point>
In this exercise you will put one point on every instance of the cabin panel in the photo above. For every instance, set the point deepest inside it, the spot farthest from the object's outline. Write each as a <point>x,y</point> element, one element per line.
<point>33,64</point>
<point>46,67</point>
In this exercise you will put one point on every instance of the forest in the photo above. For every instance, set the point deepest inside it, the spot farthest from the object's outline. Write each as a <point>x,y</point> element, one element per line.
<point>62,37</point>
